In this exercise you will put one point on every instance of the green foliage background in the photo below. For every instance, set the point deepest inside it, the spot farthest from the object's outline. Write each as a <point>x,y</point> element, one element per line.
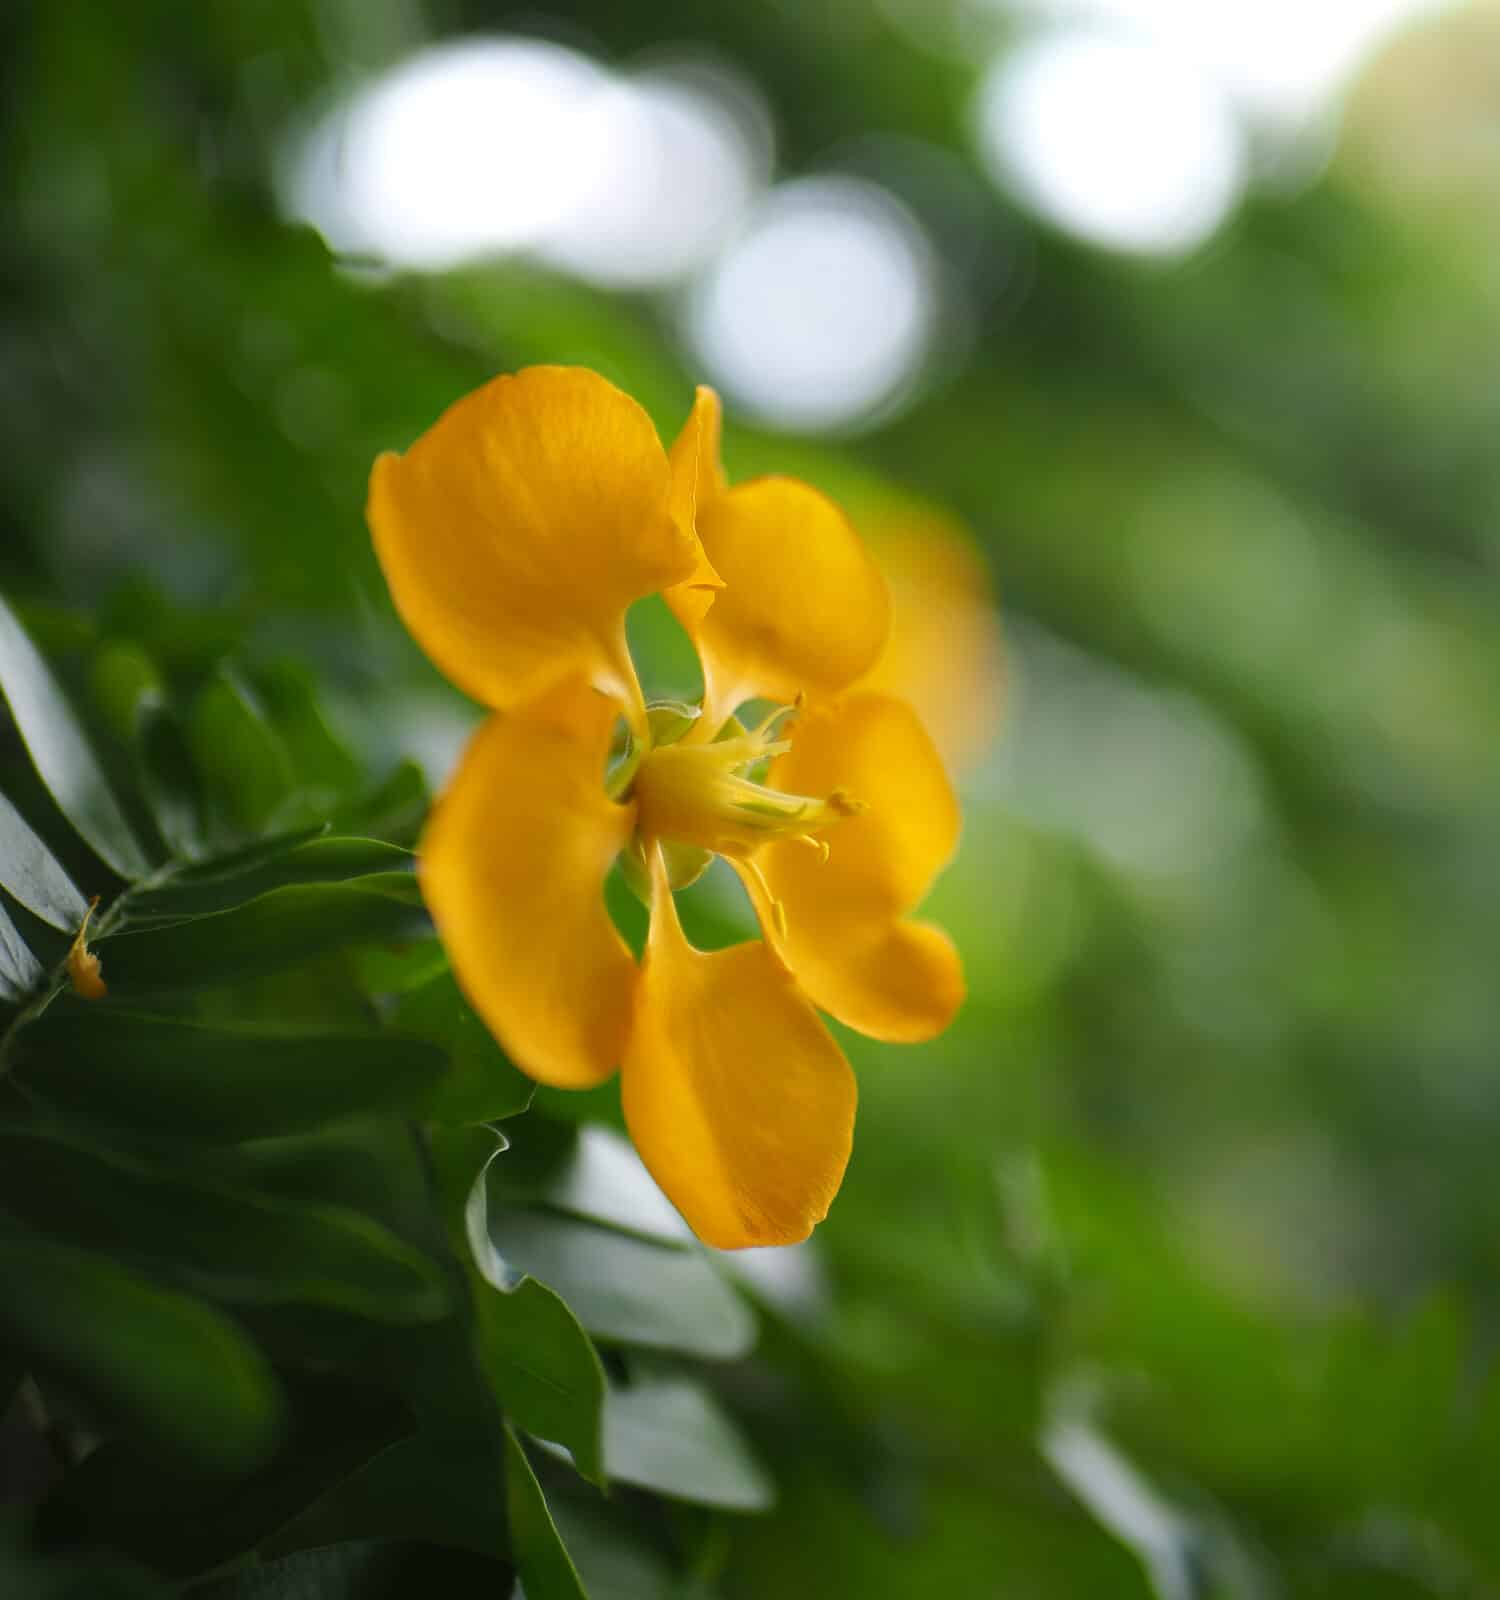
<point>1170,1269</point>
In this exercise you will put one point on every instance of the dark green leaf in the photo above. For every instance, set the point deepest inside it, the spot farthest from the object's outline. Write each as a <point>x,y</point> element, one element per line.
<point>30,872</point>
<point>395,810</point>
<point>375,1165</point>
<point>239,1246</point>
<point>529,1347</point>
<point>627,1290</point>
<point>542,1368</point>
<point>25,1575</point>
<point>460,1158</point>
<point>544,1565</point>
<point>535,1151</point>
<point>165,1076</point>
<point>246,774</point>
<point>183,1524</point>
<point>366,1569</point>
<point>129,691</point>
<point>61,752</point>
<point>267,934</point>
<point>669,1434</point>
<point>20,971</point>
<point>441,1486</point>
<point>248,857</point>
<point>483,1086</point>
<point>168,779</point>
<point>200,890</point>
<point>177,1376</point>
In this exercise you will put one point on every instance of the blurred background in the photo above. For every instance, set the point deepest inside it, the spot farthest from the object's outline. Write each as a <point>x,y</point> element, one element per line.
<point>1171,327</point>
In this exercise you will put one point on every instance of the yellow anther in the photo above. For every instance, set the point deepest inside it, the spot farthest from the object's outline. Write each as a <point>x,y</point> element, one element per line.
<point>83,964</point>
<point>778,911</point>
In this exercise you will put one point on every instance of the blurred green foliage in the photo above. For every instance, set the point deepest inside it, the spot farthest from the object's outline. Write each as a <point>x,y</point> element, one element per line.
<point>1170,1269</point>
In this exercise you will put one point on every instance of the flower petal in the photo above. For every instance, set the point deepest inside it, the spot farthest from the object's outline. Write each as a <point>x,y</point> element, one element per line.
<point>697,477</point>
<point>697,464</point>
<point>803,606</point>
<point>512,867</point>
<point>845,937</point>
<point>515,532</point>
<point>736,1095</point>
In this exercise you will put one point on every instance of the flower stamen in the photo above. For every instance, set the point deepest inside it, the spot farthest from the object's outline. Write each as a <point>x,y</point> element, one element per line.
<point>778,911</point>
<point>699,794</point>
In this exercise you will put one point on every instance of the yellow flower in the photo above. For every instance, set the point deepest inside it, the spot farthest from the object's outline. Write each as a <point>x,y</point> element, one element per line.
<point>514,534</point>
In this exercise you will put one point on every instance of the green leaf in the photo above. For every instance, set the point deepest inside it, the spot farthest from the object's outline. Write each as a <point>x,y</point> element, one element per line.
<point>372,1164</point>
<point>129,690</point>
<point>165,1076</point>
<point>364,1569</point>
<point>607,1546</point>
<point>442,1486</point>
<point>267,934</point>
<point>625,1289</point>
<point>123,679</point>
<point>30,872</point>
<point>246,773</point>
<point>239,1246</point>
<point>61,752</point>
<point>20,971</point>
<point>177,1376</point>
<point>543,1368</point>
<point>1164,1539</point>
<point>182,1524</point>
<point>545,1566</point>
<point>394,810</point>
<point>201,890</point>
<point>603,1179</point>
<point>322,762</point>
<point>248,857</point>
<point>168,779</point>
<point>670,1435</point>
<point>28,1576</point>
<point>398,969</point>
<point>529,1347</point>
<point>483,1085</point>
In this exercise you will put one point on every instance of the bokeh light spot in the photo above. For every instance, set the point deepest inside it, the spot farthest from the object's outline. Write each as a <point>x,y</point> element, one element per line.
<point>466,150</point>
<point>1283,61</point>
<point>683,153</point>
<point>1116,140</point>
<point>824,310</point>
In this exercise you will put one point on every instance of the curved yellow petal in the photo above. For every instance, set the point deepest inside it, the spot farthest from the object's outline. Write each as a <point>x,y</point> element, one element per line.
<point>697,477</point>
<point>696,458</point>
<point>736,1095</point>
<point>843,932</point>
<point>512,866</point>
<point>515,532</point>
<point>803,607</point>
